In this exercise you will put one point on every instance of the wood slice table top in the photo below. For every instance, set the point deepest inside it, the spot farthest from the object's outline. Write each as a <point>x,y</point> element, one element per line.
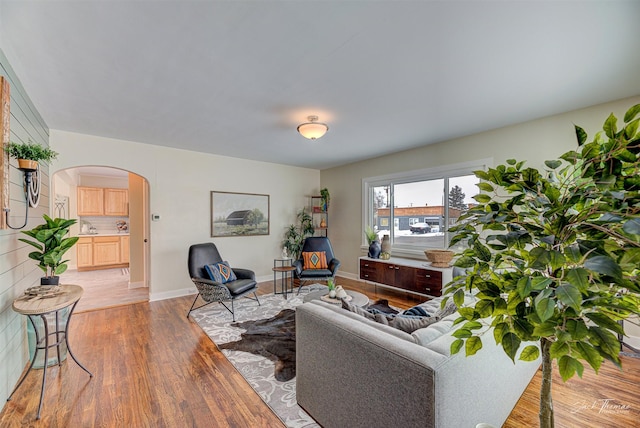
<point>283,268</point>
<point>357,298</point>
<point>35,305</point>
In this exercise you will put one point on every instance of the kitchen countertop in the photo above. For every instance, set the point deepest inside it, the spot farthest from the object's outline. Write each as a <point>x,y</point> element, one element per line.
<point>104,234</point>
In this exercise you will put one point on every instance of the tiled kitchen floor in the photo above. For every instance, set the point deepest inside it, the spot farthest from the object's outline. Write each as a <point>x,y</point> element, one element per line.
<point>104,288</point>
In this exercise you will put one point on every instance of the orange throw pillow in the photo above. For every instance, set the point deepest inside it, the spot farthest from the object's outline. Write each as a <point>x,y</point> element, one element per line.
<point>315,260</point>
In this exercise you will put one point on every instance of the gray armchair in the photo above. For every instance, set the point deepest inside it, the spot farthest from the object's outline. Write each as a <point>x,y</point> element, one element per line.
<point>316,243</point>
<point>210,291</point>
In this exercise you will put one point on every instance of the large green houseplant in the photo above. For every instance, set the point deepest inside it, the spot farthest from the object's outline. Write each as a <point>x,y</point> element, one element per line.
<point>51,244</point>
<point>555,256</point>
<point>296,234</point>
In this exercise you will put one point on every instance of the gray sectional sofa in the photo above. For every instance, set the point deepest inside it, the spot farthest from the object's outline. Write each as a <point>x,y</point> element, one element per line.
<point>355,372</point>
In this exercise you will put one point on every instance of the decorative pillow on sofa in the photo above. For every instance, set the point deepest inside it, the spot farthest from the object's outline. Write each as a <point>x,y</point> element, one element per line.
<point>411,324</point>
<point>220,272</point>
<point>407,324</point>
<point>315,260</point>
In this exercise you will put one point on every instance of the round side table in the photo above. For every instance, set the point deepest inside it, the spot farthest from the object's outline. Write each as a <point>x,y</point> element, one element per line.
<point>48,308</point>
<point>283,266</point>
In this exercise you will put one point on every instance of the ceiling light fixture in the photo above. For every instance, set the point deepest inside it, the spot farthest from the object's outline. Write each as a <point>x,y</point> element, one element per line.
<point>313,129</point>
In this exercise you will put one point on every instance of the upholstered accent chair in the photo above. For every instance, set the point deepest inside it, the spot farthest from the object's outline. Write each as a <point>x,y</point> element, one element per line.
<point>316,250</point>
<point>239,282</point>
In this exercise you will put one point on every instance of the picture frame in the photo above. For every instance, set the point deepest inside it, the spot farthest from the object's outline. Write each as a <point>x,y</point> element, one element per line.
<point>239,214</point>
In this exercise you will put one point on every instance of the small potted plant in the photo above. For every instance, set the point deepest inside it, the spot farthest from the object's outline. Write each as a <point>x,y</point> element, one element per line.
<point>332,287</point>
<point>29,154</point>
<point>374,243</point>
<point>324,194</point>
<point>51,244</point>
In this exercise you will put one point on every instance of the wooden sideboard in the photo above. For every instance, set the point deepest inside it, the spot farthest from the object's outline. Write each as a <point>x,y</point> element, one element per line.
<point>411,275</point>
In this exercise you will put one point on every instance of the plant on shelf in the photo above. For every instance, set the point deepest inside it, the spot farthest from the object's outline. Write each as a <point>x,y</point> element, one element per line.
<point>555,256</point>
<point>324,194</point>
<point>370,234</point>
<point>51,244</point>
<point>296,234</point>
<point>30,151</point>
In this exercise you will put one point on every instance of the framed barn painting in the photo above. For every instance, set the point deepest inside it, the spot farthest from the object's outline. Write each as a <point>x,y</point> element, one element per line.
<point>239,214</point>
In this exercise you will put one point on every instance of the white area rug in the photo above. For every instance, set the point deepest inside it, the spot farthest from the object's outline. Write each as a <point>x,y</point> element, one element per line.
<point>256,369</point>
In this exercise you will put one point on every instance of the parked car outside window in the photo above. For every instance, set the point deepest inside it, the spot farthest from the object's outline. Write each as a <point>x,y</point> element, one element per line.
<point>420,228</point>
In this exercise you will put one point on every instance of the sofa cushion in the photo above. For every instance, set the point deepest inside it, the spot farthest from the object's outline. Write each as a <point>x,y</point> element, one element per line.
<point>220,272</point>
<point>405,323</point>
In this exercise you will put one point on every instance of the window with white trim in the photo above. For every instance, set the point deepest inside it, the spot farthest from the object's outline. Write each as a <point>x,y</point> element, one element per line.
<point>422,205</point>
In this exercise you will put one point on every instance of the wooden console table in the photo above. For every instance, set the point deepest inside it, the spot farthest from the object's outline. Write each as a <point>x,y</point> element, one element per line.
<point>414,276</point>
<point>44,306</point>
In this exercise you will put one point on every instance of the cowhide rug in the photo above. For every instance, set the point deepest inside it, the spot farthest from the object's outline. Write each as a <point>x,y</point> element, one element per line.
<point>273,338</point>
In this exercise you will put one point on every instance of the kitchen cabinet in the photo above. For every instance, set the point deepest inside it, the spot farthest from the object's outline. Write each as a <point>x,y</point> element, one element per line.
<point>90,201</point>
<point>99,201</point>
<point>106,250</point>
<point>102,252</point>
<point>124,249</point>
<point>116,202</point>
<point>406,274</point>
<point>84,250</point>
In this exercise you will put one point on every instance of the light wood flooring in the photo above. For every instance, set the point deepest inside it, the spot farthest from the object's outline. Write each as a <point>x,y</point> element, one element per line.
<point>153,367</point>
<point>104,288</point>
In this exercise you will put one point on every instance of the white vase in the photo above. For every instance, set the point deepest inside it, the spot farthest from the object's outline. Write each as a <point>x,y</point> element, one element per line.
<point>332,294</point>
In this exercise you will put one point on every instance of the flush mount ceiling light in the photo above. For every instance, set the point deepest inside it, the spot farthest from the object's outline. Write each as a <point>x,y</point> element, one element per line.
<point>313,129</point>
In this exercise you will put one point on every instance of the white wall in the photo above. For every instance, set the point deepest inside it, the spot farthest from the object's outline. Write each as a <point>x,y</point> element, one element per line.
<point>534,141</point>
<point>180,183</point>
<point>17,271</point>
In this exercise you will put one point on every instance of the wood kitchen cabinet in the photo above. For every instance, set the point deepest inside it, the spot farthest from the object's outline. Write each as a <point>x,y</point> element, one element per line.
<point>99,201</point>
<point>84,250</point>
<point>116,202</point>
<point>106,250</point>
<point>406,274</point>
<point>102,252</point>
<point>90,201</point>
<point>124,249</point>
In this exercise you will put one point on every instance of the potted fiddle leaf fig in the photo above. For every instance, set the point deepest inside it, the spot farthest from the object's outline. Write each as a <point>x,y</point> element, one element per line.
<point>554,256</point>
<point>51,243</point>
<point>29,153</point>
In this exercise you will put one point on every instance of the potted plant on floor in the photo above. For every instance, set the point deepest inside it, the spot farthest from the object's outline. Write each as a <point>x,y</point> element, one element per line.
<point>554,256</point>
<point>296,234</point>
<point>51,244</point>
<point>29,154</point>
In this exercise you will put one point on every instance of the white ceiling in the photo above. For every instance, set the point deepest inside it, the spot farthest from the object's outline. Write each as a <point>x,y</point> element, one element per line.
<point>236,77</point>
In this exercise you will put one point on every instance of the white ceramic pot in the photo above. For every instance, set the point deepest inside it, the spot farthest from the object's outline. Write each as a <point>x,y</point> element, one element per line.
<point>340,293</point>
<point>332,294</point>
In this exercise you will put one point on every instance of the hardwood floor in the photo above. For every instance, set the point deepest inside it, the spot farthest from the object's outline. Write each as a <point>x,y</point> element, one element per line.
<point>104,288</point>
<point>155,368</point>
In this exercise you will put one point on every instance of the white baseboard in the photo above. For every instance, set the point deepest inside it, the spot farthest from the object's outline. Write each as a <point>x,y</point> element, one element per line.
<point>136,284</point>
<point>172,294</point>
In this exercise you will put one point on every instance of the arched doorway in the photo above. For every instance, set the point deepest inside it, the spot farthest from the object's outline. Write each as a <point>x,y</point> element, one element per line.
<point>111,259</point>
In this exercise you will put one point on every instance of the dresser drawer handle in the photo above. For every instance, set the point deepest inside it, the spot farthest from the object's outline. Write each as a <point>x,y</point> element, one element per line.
<point>427,276</point>
<point>366,265</point>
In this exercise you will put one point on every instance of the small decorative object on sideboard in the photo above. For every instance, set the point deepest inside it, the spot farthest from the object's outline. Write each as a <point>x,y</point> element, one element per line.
<point>374,245</point>
<point>385,245</point>
<point>439,258</point>
<point>122,226</point>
